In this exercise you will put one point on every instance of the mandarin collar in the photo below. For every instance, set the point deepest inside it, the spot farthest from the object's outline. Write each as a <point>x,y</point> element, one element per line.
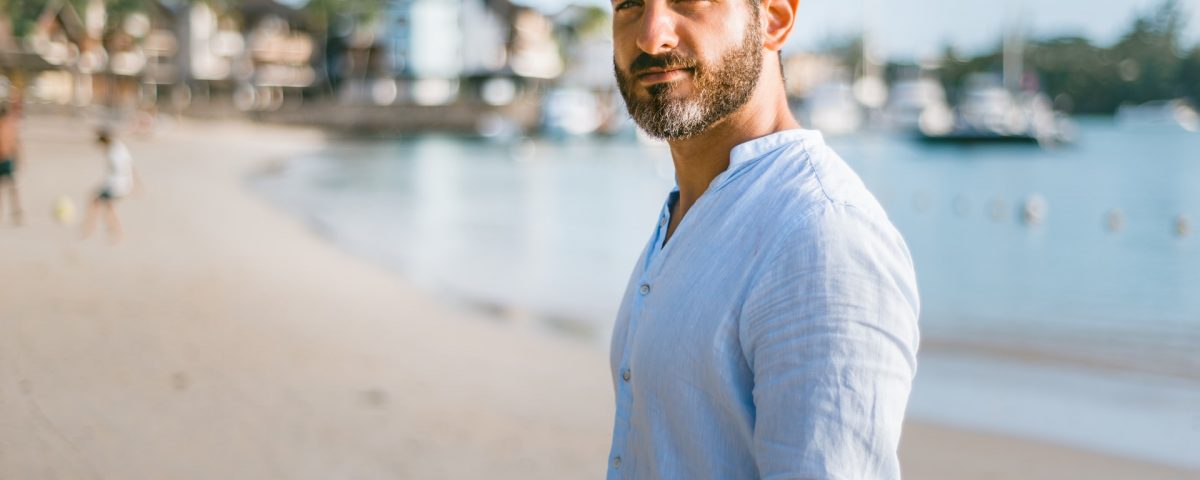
<point>749,152</point>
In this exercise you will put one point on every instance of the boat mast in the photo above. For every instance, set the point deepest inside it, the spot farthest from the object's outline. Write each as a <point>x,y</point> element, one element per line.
<point>869,87</point>
<point>1014,50</point>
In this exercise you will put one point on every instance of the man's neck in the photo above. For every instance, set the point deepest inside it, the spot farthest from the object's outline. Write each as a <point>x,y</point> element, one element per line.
<point>699,159</point>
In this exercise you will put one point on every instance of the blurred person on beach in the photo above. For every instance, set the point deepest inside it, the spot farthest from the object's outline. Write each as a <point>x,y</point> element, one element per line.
<point>769,329</point>
<point>10,154</point>
<point>119,180</point>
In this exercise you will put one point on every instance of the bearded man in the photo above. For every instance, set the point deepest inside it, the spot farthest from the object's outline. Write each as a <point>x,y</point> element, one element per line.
<point>769,329</point>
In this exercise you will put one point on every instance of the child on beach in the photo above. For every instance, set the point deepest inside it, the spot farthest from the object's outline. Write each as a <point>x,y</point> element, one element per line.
<point>10,156</point>
<point>118,182</point>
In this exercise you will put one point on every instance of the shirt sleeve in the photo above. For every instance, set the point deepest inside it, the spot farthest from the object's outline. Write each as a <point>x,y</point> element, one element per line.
<point>830,331</point>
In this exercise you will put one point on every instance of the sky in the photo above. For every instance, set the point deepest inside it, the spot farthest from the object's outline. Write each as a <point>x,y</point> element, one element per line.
<point>916,29</point>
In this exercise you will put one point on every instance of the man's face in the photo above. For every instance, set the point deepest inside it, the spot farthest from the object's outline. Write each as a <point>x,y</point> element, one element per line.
<point>683,65</point>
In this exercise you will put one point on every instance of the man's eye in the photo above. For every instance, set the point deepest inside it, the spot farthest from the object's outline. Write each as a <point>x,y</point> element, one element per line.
<point>626,4</point>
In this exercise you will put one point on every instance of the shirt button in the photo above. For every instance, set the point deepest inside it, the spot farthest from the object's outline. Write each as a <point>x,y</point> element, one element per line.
<point>617,461</point>
<point>662,222</point>
<point>645,289</point>
<point>626,375</point>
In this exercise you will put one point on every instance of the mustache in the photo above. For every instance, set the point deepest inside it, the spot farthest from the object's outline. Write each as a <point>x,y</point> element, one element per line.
<point>667,61</point>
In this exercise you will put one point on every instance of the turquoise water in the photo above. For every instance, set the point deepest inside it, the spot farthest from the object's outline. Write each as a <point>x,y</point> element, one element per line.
<point>554,228</point>
<point>1070,283</point>
<point>551,230</point>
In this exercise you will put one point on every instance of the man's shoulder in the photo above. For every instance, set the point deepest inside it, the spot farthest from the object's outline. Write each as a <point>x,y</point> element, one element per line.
<point>806,180</point>
<point>824,215</point>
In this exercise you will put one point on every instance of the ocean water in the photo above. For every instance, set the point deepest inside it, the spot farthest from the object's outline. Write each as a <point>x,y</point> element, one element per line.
<point>1104,282</point>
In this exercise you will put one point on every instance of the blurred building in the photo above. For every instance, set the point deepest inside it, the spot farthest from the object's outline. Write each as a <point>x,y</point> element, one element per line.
<point>16,62</point>
<point>177,49</point>
<point>59,39</point>
<point>432,52</point>
<point>260,55</point>
<point>256,55</point>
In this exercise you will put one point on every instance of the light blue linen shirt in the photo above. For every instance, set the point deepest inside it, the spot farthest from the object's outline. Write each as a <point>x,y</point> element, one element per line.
<point>775,335</point>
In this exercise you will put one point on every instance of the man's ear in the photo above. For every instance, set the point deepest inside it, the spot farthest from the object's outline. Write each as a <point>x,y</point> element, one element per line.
<point>779,16</point>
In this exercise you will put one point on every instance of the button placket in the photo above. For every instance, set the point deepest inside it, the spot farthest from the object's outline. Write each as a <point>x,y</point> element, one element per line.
<point>636,313</point>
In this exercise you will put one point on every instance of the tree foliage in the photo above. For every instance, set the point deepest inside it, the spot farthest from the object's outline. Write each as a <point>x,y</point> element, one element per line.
<point>23,14</point>
<point>1148,63</point>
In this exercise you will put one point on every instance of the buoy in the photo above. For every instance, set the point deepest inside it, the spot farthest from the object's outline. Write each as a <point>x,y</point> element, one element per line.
<point>1033,212</point>
<point>1114,220</point>
<point>1183,226</point>
<point>64,210</point>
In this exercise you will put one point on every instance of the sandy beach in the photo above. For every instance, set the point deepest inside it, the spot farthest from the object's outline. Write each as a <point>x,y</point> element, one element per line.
<point>224,339</point>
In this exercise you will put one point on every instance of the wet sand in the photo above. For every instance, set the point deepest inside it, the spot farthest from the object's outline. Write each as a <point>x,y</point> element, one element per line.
<point>224,339</point>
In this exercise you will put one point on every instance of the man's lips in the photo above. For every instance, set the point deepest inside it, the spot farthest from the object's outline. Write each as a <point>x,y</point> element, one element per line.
<point>659,75</point>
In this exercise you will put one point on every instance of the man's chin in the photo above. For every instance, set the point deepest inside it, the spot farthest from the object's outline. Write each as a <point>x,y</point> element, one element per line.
<point>670,121</point>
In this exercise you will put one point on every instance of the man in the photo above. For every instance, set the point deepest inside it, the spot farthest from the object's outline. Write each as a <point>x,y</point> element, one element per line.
<point>769,329</point>
<point>10,154</point>
<point>119,180</point>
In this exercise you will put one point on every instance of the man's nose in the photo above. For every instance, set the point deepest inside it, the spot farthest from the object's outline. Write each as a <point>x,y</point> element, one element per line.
<point>657,33</point>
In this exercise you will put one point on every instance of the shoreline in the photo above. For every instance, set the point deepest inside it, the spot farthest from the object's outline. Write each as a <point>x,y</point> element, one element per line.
<point>225,338</point>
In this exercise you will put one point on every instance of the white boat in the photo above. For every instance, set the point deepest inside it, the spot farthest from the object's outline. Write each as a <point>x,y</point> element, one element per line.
<point>832,108</point>
<point>989,113</point>
<point>908,99</point>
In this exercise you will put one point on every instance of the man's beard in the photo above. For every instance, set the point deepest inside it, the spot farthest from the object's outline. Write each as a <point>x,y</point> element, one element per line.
<point>717,90</point>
